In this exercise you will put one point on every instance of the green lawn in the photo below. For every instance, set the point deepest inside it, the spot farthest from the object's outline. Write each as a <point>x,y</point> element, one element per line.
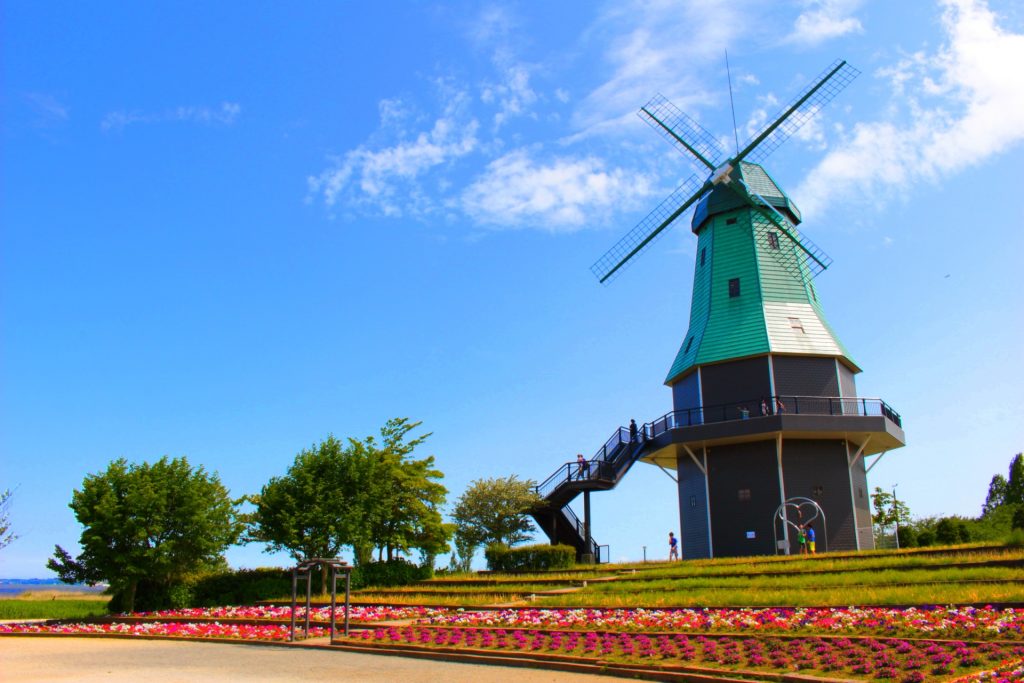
<point>52,609</point>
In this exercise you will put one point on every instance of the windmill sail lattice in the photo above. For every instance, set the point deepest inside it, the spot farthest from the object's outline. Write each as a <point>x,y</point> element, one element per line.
<point>640,238</point>
<point>800,110</point>
<point>681,131</point>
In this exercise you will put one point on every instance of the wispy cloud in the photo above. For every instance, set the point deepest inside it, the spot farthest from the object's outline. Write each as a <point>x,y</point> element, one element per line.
<point>386,177</point>
<point>225,114</point>
<point>646,56</point>
<point>824,20</point>
<point>562,194</point>
<point>48,109</point>
<point>493,31</point>
<point>964,103</point>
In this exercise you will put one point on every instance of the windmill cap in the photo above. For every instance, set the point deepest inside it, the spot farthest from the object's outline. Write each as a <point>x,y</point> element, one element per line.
<point>722,199</point>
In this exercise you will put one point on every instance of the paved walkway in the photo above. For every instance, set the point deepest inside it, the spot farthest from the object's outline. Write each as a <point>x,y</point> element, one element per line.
<point>88,660</point>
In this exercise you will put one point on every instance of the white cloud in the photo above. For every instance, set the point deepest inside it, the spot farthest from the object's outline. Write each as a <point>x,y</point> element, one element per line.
<point>512,94</point>
<point>225,114</point>
<point>385,177</point>
<point>824,20</point>
<point>646,55</point>
<point>963,105</point>
<point>563,194</point>
<point>511,91</point>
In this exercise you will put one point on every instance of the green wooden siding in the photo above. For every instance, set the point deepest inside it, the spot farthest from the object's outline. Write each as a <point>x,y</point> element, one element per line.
<point>736,326</point>
<point>778,283</point>
<point>699,306</point>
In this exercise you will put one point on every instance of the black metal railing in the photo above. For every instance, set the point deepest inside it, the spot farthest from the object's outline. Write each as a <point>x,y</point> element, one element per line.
<point>772,405</point>
<point>581,531</point>
<point>605,465</point>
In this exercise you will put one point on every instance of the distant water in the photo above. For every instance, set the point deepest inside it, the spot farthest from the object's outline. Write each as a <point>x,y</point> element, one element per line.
<point>11,587</point>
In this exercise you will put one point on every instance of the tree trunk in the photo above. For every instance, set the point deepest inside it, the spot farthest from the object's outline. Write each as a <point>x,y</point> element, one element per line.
<point>132,585</point>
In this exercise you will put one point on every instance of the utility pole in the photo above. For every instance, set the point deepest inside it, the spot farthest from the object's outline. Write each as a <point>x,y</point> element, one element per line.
<point>896,515</point>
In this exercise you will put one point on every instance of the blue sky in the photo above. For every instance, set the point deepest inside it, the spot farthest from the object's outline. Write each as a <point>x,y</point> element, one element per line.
<point>231,230</point>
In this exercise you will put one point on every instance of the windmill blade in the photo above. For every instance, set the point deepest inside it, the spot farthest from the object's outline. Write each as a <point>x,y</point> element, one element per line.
<point>802,109</point>
<point>643,235</point>
<point>681,131</point>
<point>804,259</point>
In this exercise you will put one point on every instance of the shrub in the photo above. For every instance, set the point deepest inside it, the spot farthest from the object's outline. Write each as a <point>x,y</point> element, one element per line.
<point>1016,539</point>
<point>500,557</point>
<point>907,537</point>
<point>926,538</point>
<point>946,531</point>
<point>393,573</point>
<point>1017,522</point>
<point>239,586</point>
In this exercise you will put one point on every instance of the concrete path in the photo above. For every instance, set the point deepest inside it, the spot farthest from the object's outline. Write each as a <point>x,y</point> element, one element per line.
<point>88,660</point>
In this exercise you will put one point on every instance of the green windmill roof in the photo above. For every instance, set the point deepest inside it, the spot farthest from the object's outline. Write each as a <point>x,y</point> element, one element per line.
<point>722,199</point>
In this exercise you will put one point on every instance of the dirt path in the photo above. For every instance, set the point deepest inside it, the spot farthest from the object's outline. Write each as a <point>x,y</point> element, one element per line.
<point>87,660</point>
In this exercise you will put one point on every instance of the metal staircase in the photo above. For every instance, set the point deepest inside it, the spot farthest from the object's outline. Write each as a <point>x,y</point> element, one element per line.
<point>600,473</point>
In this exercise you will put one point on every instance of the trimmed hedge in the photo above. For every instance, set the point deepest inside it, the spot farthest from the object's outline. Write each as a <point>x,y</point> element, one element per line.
<point>246,586</point>
<point>502,558</point>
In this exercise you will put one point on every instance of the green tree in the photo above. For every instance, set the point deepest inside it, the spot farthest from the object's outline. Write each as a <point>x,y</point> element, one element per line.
<point>493,511</point>
<point>6,535</point>
<point>404,512</point>
<point>888,511</point>
<point>149,523</point>
<point>996,495</point>
<point>369,494</point>
<point>314,510</point>
<point>1015,482</point>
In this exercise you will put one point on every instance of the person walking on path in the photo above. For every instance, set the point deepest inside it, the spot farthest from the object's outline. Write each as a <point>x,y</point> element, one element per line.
<point>673,547</point>
<point>810,538</point>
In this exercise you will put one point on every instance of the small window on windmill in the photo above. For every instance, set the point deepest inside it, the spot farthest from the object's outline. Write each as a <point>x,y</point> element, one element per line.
<point>796,325</point>
<point>693,501</point>
<point>730,221</point>
<point>813,294</point>
<point>773,240</point>
<point>703,253</point>
<point>734,287</point>
<point>744,495</point>
<point>689,343</point>
<point>860,492</point>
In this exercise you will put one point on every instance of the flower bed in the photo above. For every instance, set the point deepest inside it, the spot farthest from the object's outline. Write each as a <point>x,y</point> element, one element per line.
<point>877,658</point>
<point>267,632</point>
<point>940,622</point>
<point>356,613</point>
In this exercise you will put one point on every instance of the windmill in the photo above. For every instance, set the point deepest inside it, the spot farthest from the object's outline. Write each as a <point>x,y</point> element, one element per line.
<point>765,405</point>
<point>697,143</point>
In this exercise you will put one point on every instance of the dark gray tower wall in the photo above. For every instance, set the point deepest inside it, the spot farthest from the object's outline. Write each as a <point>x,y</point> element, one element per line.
<point>817,469</point>
<point>686,392</point>
<point>744,483</point>
<point>693,508</point>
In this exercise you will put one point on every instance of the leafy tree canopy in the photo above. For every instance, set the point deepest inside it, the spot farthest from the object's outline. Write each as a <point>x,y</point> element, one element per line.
<point>149,522</point>
<point>1015,482</point>
<point>888,510</point>
<point>493,511</point>
<point>367,494</point>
